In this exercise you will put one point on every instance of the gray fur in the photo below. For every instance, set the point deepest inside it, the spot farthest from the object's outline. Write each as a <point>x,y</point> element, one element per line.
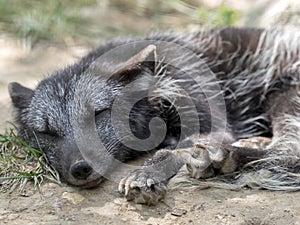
<point>257,70</point>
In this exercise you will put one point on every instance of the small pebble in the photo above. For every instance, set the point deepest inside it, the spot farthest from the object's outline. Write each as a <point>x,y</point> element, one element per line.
<point>73,198</point>
<point>178,212</point>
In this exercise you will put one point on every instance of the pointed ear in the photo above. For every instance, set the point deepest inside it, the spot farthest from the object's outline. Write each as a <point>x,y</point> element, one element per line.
<point>147,54</point>
<point>118,67</point>
<point>21,96</point>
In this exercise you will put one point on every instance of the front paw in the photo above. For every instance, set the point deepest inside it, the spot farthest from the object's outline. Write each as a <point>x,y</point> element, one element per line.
<point>143,187</point>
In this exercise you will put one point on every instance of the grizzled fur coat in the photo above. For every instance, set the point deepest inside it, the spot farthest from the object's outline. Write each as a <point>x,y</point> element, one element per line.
<point>130,96</point>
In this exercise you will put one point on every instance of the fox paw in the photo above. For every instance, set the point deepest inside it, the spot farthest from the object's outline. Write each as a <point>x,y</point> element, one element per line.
<point>206,162</point>
<point>143,187</point>
<point>254,143</point>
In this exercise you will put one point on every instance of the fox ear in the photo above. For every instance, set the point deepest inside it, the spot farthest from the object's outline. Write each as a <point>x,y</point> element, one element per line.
<point>21,96</point>
<point>117,66</point>
<point>146,55</point>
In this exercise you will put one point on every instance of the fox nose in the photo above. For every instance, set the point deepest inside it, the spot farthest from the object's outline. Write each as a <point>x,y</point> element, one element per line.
<point>81,170</point>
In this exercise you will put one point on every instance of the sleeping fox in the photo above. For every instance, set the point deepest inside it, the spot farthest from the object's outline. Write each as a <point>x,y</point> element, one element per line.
<point>134,95</point>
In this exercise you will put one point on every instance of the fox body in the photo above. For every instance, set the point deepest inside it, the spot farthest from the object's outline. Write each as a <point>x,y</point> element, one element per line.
<point>256,72</point>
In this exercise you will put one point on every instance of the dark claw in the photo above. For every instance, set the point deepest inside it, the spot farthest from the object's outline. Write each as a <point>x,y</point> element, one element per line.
<point>141,188</point>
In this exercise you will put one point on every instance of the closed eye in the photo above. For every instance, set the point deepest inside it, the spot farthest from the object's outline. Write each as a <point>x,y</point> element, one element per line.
<point>99,112</point>
<point>49,133</point>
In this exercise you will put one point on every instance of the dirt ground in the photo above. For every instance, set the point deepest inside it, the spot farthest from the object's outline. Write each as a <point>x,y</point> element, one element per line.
<point>66,205</point>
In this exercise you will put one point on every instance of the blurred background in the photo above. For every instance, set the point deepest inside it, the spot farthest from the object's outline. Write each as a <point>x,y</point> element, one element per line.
<point>40,36</point>
<point>84,20</point>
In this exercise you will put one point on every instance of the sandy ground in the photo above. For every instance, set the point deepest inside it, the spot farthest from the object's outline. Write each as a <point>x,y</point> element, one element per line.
<point>103,205</point>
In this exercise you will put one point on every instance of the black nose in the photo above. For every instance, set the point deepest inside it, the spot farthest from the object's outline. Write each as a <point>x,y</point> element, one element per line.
<point>81,170</point>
